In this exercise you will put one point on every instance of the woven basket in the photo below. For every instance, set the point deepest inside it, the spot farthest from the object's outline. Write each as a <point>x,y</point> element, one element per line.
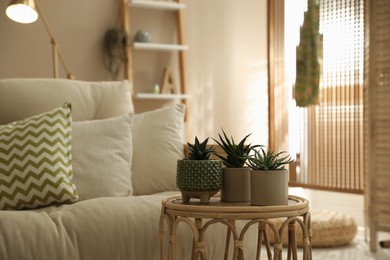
<point>329,229</point>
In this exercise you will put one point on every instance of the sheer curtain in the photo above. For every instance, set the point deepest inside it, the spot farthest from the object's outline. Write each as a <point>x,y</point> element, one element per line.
<point>327,138</point>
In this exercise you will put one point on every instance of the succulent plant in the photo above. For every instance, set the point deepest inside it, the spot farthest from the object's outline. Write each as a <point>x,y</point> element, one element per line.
<point>199,150</point>
<point>268,161</point>
<point>236,154</point>
<point>199,173</point>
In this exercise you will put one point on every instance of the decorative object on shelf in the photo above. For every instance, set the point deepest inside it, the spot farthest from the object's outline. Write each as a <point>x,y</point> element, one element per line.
<point>198,176</point>
<point>269,178</point>
<point>142,36</point>
<point>236,177</point>
<point>115,41</point>
<point>168,83</point>
<point>28,11</point>
<point>156,89</point>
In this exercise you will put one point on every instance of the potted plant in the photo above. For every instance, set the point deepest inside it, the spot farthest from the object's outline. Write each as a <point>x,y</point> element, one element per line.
<point>235,176</point>
<point>269,178</point>
<point>198,176</point>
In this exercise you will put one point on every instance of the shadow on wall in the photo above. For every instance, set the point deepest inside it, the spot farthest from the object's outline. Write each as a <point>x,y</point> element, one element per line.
<point>228,69</point>
<point>257,97</point>
<point>201,104</point>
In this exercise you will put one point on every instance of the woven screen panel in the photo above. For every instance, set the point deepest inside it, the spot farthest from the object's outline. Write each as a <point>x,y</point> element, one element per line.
<point>377,119</point>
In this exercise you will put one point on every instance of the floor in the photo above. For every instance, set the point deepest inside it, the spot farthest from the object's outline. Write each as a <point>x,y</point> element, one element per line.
<point>357,250</point>
<point>352,205</point>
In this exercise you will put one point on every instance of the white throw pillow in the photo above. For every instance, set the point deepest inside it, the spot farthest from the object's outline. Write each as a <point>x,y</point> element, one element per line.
<point>102,154</point>
<point>157,145</point>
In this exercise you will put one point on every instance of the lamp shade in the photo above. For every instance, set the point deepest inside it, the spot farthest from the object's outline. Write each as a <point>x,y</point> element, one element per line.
<point>22,11</point>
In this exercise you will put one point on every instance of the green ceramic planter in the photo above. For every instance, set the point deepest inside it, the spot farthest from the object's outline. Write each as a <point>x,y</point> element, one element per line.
<point>197,176</point>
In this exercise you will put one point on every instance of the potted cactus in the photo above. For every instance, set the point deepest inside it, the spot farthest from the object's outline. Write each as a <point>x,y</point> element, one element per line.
<point>269,178</point>
<point>235,174</point>
<point>198,176</point>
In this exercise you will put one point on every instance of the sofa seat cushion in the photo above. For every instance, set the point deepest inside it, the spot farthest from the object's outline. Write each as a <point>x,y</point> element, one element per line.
<point>101,229</point>
<point>21,98</point>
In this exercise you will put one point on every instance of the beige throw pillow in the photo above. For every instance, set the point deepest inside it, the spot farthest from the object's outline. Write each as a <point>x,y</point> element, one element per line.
<point>157,145</point>
<point>102,154</point>
<point>21,98</point>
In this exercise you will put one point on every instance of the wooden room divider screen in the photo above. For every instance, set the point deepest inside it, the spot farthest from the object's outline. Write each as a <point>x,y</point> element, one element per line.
<point>377,119</point>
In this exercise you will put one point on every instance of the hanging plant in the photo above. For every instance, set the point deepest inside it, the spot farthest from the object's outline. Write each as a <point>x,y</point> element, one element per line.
<point>115,43</point>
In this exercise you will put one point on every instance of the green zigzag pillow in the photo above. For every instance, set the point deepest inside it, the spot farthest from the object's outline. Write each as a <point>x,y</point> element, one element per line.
<point>36,161</point>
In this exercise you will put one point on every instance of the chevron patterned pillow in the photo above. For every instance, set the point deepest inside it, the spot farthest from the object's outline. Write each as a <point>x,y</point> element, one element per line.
<point>36,161</point>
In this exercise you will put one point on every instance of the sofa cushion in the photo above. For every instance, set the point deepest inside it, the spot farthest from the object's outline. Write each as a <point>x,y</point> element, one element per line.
<point>35,161</point>
<point>102,229</point>
<point>157,145</point>
<point>21,98</point>
<point>102,153</point>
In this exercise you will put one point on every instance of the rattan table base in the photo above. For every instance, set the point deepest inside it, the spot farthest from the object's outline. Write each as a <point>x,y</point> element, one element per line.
<point>200,216</point>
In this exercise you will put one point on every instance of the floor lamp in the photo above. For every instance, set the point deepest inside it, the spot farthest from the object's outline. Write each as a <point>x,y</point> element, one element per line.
<point>27,11</point>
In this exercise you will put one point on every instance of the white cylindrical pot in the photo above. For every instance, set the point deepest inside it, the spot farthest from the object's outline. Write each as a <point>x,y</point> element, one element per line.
<point>236,185</point>
<point>269,187</point>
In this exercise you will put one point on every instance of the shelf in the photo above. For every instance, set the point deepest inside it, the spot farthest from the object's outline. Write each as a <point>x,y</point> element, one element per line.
<point>159,46</point>
<point>160,96</point>
<point>154,4</point>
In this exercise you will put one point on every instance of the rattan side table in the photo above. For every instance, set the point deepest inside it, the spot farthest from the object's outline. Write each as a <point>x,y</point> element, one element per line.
<point>200,216</point>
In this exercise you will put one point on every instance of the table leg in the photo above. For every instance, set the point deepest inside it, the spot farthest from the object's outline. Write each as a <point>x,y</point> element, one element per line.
<point>267,244</point>
<point>292,245</point>
<point>161,233</point>
<point>260,231</point>
<point>307,240</point>
<point>239,248</point>
<point>173,245</point>
<point>227,243</point>
<point>278,250</point>
<point>169,219</point>
<point>198,246</point>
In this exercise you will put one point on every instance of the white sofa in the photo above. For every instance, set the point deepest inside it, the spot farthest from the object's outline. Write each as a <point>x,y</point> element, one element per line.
<point>123,166</point>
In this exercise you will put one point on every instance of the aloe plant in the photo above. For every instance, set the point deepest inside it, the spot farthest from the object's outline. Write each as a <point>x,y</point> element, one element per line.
<point>268,161</point>
<point>236,154</point>
<point>197,172</point>
<point>199,150</point>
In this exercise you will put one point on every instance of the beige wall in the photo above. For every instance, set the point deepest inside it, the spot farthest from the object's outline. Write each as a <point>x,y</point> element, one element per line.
<point>228,68</point>
<point>79,27</point>
<point>227,62</point>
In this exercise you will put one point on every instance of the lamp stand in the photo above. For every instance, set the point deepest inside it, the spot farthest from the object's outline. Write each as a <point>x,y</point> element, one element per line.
<point>55,50</point>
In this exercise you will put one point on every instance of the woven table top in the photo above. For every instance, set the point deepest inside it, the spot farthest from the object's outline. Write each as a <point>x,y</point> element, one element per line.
<point>236,210</point>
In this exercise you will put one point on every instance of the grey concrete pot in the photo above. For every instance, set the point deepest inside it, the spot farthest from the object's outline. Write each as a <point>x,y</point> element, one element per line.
<point>269,187</point>
<point>236,185</point>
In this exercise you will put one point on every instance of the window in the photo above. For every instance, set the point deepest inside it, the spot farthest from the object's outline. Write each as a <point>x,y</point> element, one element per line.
<point>328,138</point>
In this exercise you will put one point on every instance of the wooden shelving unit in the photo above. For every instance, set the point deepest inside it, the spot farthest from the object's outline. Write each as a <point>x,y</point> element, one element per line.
<point>170,6</point>
<point>160,5</point>
<point>150,46</point>
<point>161,96</point>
